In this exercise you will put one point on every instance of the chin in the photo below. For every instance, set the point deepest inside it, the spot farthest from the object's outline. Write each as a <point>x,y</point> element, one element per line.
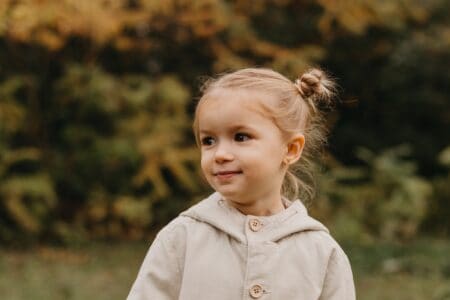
<point>236,197</point>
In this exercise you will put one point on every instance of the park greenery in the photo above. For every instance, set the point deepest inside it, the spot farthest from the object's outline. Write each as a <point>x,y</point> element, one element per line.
<point>97,99</point>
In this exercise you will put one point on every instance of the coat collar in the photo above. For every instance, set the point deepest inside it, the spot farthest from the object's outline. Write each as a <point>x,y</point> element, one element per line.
<point>216,212</point>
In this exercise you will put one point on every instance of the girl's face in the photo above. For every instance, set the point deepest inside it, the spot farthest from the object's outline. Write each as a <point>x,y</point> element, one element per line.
<point>242,150</point>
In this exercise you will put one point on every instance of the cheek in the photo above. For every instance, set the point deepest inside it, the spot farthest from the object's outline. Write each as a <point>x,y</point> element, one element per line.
<point>205,162</point>
<point>274,159</point>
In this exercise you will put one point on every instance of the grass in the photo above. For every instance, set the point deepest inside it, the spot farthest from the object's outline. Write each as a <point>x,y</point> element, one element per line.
<point>416,271</point>
<point>97,271</point>
<point>420,270</point>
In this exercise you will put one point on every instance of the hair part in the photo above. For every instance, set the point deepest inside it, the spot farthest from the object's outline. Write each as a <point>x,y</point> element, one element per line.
<point>297,108</point>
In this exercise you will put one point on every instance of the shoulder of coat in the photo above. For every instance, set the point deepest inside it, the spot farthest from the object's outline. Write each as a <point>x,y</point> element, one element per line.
<point>321,239</point>
<point>178,224</point>
<point>335,248</point>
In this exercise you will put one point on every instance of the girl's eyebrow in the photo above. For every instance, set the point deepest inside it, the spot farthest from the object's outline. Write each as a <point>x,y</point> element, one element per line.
<point>232,128</point>
<point>205,131</point>
<point>240,127</point>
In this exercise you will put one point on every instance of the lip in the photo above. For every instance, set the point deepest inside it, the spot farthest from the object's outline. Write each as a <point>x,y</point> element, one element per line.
<point>226,174</point>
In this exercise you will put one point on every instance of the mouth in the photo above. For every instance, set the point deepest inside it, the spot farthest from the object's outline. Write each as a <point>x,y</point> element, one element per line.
<point>226,174</point>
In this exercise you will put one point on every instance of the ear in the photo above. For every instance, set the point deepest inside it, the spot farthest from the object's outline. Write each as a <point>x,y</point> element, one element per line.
<point>294,149</point>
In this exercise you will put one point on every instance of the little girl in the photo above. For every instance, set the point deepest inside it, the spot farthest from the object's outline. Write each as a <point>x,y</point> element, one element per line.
<point>251,239</point>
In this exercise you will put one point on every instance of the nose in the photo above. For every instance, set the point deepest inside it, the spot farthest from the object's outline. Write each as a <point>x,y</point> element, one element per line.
<point>223,153</point>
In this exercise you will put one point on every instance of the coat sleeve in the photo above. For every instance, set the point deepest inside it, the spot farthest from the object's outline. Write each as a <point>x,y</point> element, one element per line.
<point>159,276</point>
<point>338,283</point>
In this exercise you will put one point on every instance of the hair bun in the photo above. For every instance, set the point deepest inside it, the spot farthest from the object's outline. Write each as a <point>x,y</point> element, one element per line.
<point>316,86</point>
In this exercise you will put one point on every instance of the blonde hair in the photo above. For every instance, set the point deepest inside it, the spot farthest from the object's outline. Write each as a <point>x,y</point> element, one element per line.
<point>296,110</point>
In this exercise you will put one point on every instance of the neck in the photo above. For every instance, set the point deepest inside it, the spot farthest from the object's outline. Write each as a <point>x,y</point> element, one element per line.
<point>260,207</point>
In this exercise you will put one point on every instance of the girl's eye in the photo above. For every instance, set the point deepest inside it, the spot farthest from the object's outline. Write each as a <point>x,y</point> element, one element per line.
<point>241,137</point>
<point>207,141</point>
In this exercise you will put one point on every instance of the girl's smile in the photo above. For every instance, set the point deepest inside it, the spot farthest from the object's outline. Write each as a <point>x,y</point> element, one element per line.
<point>226,175</point>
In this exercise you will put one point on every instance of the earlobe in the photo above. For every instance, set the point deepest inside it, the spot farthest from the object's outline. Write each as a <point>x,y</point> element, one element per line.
<point>294,149</point>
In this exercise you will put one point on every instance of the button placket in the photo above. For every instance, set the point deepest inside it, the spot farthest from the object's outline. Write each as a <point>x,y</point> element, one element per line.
<point>261,259</point>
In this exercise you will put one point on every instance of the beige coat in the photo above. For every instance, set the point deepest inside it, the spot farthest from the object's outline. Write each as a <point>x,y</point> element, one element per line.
<point>214,252</point>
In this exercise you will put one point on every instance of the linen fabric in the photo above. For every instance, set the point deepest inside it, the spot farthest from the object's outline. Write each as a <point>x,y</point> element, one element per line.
<point>213,251</point>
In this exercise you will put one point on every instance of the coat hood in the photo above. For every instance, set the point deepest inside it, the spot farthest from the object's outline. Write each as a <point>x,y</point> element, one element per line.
<point>216,212</point>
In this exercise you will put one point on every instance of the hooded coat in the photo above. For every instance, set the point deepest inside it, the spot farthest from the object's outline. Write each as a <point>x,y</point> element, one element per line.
<point>214,252</point>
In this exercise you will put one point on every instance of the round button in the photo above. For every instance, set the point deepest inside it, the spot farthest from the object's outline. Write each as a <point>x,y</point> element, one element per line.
<point>255,224</point>
<point>256,291</point>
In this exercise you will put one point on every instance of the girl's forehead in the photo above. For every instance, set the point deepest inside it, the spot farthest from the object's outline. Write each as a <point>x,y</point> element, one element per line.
<point>250,99</point>
<point>235,110</point>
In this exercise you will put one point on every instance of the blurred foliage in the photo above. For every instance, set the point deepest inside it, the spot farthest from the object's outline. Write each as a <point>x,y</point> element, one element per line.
<point>96,106</point>
<point>383,199</point>
<point>438,220</point>
<point>110,148</point>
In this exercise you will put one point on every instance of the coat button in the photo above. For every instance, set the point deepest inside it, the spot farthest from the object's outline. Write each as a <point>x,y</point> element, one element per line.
<point>256,291</point>
<point>255,224</point>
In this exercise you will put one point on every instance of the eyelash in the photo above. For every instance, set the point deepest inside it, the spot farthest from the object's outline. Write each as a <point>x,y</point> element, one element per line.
<point>238,137</point>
